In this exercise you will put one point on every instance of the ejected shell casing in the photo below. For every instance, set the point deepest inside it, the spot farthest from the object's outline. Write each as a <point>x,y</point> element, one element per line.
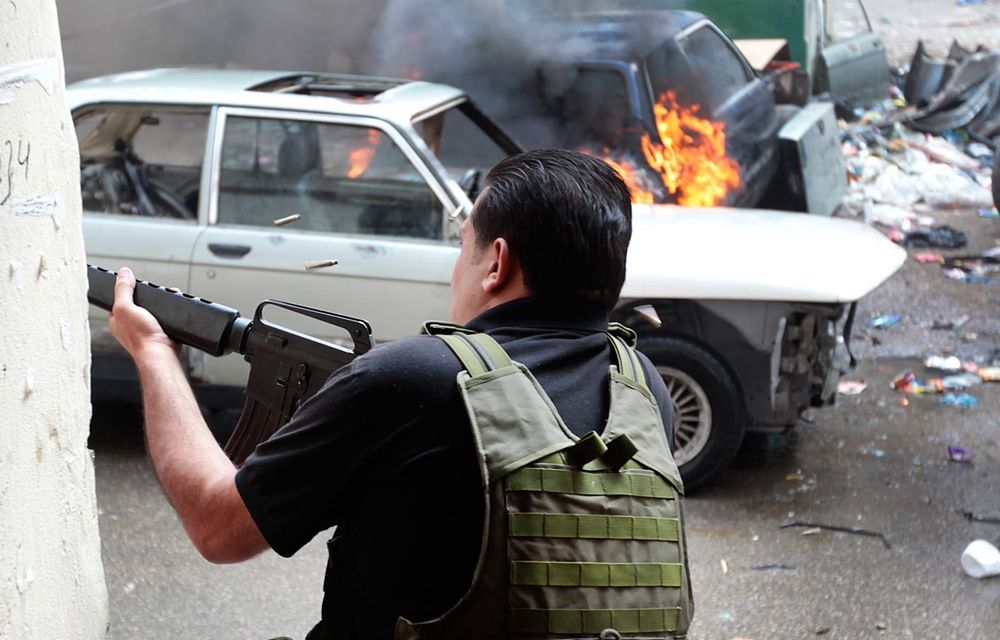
<point>321,264</point>
<point>295,217</point>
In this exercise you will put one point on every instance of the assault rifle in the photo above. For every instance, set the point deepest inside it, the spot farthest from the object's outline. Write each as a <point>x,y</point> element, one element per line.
<point>286,367</point>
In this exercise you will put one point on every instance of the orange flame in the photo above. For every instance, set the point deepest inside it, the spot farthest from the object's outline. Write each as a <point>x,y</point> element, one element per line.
<point>361,157</point>
<point>689,158</point>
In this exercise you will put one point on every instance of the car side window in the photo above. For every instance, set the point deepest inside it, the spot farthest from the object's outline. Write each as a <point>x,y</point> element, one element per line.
<point>142,160</point>
<point>338,178</point>
<point>715,67</point>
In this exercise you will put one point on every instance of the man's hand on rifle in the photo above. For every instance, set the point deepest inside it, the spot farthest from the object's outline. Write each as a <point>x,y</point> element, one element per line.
<point>134,327</point>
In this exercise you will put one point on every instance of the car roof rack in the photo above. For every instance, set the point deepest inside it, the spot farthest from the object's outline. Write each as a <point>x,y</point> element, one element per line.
<point>330,85</point>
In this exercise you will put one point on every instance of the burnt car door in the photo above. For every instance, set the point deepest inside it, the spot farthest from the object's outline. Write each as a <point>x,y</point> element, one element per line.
<point>709,70</point>
<point>852,64</point>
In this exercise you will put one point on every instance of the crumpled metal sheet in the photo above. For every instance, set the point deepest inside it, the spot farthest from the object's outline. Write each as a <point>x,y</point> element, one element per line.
<point>925,77</point>
<point>968,94</point>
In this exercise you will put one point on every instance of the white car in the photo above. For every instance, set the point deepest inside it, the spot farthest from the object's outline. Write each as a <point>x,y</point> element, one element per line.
<point>184,173</point>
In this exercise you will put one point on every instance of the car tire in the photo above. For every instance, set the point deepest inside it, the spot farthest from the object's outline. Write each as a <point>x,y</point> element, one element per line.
<point>708,409</point>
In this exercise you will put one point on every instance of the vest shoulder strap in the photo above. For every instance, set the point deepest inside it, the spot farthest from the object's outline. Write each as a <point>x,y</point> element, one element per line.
<point>628,363</point>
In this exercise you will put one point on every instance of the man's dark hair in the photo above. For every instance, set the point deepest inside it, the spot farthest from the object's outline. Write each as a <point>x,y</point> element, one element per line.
<point>567,217</point>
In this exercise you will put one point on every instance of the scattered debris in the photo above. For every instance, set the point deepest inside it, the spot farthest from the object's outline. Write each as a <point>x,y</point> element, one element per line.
<point>725,566</point>
<point>950,363</point>
<point>948,325</point>
<point>795,476</point>
<point>878,453</point>
<point>881,626</point>
<point>295,217</point>
<point>928,257</point>
<point>811,532</point>
<point>959,454</point>
<point>978,517</point>
<point>941,236</point>
<point>851,387</point>
<point>322,264</point>
<point>981,559</point>
<point>831,527</point>
<point>960,400</point>
<point>908,382</point>
<point>886,322</point>
<point>989,374</point>
<point>822,631</point>
<point>775,567</point>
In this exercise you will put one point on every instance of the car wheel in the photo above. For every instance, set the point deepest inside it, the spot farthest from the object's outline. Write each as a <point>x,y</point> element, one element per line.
<point>708,413</point>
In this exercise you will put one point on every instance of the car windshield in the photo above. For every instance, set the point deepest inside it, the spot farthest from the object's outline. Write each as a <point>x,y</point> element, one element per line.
<point>462,144</point>
<point>700,68</point>
<point>591,107</point>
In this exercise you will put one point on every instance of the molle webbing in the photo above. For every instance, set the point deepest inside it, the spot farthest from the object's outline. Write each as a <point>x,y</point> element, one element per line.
<point>594,621</point>
<point>595,574</point>
<point>585,483</point>
<point>593,526</point>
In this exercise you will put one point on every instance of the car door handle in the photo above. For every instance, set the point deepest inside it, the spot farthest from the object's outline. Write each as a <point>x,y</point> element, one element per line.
<point>229,250</point>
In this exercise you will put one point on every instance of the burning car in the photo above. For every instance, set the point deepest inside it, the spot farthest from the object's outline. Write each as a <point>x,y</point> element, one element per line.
<point>225,182</point>
<point>665,96</point>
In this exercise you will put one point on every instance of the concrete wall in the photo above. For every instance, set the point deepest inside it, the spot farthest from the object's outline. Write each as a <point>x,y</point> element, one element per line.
<point>51,576</point>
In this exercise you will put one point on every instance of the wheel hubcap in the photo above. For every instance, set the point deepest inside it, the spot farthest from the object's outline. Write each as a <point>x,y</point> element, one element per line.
<point>692,413</point>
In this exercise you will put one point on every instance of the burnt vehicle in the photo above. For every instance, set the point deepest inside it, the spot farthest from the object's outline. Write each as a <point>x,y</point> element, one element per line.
<point>666,97</point>
<point>184,174</point>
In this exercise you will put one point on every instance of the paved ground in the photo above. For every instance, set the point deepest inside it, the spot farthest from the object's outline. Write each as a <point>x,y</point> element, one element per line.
<point>901,23</point>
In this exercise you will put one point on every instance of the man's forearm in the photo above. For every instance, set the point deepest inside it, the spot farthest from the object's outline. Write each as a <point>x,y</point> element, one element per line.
<point>195,473</point>
<point>182,448</point>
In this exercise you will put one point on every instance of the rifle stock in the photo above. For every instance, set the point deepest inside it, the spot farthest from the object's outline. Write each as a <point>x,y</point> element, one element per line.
<point>286,367</point>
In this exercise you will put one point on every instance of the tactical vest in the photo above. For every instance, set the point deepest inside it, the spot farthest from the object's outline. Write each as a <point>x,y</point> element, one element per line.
<point>584,537</point>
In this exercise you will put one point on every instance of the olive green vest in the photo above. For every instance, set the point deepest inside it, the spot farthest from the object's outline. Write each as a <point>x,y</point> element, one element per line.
<point>584,537</point>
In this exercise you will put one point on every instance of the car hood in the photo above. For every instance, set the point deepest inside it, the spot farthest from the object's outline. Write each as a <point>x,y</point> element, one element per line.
<point>744,254</point>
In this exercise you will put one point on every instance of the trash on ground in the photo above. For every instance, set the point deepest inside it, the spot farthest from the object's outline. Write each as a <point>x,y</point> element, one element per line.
<point>908,382</point>
<point>878,453</point>
<point>959,381</point>
<point>886,322</point>
<point>795,476</point>
<point>941,236</point>
<point>775,567</point>
<point>981,559</point>
<point>950,363</point>
<point>960,400</point>
<point>881,626</point>
<point>725,566</point>
<point>978,517</point>
<point>832,527</point>
<point>812,531</point>
<point>851,387</point>
<point>989,374</point>
<point>948,325</point>
<point>822,631</point>
<point>960,454</point>
<point>928,257</point>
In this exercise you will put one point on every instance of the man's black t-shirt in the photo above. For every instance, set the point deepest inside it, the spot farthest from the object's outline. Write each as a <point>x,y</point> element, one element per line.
<point>385,452</point>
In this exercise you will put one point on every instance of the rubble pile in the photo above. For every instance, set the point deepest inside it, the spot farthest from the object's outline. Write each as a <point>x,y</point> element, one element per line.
<point>928,149</point>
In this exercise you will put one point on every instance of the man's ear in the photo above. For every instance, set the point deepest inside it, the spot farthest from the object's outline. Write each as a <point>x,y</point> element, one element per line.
<point>501,267</point>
